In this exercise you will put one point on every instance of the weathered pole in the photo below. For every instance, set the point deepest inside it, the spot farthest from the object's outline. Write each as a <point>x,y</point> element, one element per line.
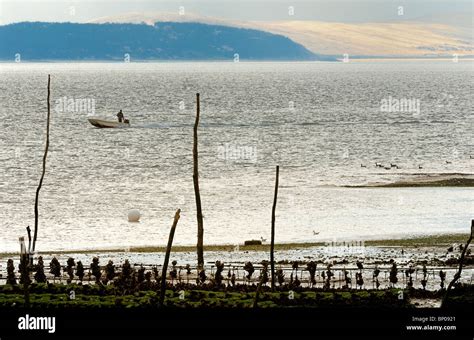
<point>457,276</point>
<point>272,244</point>
<point>257,292</point>
<point>44,166</point>
<point>25,271</point>
<point>28,231</point>
<point>167,257</point>
<point>200,235</point>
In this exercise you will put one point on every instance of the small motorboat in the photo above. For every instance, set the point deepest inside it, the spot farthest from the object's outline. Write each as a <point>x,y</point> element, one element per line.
<point>100,123</point>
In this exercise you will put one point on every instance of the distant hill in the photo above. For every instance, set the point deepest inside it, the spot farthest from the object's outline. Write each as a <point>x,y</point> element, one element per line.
<point>162,41</point>
<point>430,36</point>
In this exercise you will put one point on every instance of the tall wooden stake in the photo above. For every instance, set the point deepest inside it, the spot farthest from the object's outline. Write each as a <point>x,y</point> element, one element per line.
<point>257,293</point>
<point>167,257</point>
<point>200,236</point>
<point>44,166</point>
<point>25,271</point>
<point>28,231</point>
<point>457,276</point>
<point>272,245</point>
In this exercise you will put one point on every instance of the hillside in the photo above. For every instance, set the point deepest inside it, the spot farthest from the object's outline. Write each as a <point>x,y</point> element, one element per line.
<point>162,41</point>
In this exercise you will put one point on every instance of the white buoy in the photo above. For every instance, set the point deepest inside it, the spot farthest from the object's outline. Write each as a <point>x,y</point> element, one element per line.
<point>133,216</point>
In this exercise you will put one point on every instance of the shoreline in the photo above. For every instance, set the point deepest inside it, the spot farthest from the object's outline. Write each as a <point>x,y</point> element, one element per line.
<point>337,59</point>
<point>437,241</point>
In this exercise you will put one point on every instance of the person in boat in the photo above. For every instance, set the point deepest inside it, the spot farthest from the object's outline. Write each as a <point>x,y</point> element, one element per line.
<point>120,116</point>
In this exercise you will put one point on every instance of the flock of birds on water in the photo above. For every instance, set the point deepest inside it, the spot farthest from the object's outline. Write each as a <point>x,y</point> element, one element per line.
<point>395,166</point>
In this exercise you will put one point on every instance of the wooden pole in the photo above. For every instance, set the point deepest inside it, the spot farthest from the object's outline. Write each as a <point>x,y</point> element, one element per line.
<point>457,276</point>
<point>25,274</point>
<point>167,257</point>
<point>200,236</point>
<point>272,245</point>
<point>44,166</point>
<point>28,231</point>
<point>257,293</point>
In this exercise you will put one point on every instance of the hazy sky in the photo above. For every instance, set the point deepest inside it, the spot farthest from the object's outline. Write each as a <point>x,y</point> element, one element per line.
<point>349,11</point>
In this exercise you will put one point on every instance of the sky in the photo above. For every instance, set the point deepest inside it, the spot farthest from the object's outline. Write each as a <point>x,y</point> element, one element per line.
<point>347,11</point>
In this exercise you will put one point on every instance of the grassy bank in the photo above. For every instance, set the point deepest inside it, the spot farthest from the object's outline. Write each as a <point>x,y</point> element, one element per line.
<point>442,240</point>
<point>452,182</point>
<point>446,182</point>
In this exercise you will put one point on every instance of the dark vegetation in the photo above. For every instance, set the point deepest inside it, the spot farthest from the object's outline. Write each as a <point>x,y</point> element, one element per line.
<point>146,294</point>
<point>164,40</point>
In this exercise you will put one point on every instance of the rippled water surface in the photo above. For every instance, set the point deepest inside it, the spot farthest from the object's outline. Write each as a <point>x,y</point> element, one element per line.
<point>318,121</point>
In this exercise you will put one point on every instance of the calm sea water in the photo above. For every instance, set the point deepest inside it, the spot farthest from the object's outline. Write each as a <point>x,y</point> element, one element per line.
<point>318,121</point>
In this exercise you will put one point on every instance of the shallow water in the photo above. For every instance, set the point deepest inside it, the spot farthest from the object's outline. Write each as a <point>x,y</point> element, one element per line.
<point>318,121</point>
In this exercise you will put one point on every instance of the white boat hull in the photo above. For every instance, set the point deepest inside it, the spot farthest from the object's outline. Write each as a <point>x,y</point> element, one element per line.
<point>107,124</point>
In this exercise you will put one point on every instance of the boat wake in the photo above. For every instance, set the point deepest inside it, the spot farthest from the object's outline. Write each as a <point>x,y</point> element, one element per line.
<point>159,126</point>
